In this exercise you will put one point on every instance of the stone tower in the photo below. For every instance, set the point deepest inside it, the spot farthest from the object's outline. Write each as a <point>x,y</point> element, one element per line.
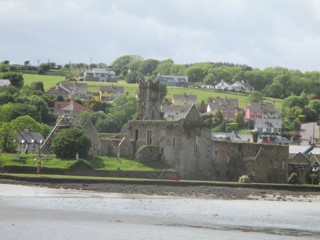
<point>149,100</point>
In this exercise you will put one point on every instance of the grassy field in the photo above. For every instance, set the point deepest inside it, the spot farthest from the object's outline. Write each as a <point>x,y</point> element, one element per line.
<point>99,163</point>
<point>131,89</point>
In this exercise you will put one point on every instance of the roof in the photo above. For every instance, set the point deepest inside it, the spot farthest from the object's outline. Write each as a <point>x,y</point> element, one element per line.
<point>57,90</point>
<point>71,106</point>
<point>271,123</point>
<point>112,89</point>
<point>193,114</point>
<point>4,82</point>
<point>224,104</point>
<point>175,108</point>
<point>29,137</point>
<point>184,97</point>
<point>261,107</point>
<point>73,85</point>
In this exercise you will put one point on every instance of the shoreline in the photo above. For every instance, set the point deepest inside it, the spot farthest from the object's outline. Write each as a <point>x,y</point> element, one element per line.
<point>201,192</point>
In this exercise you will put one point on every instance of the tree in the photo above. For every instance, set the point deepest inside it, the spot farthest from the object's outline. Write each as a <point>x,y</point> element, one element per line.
<point>165,67</point>
<point>26,122</point>
<point>293,101</point>
<point>123,110</point>
<point>6,97</point>
<point>296,125</point>
<point>16,79</point>
<point>315,105</point>
<point>69,142</point>
<point>133,77</point>
<point>148,66</point>
<point>38,86</point>
<point>163,90</point>
<point>7,138</point>
<point>256,96</point>
<point>120,65</point>
<point>239,118</point>
<point>196,74</point>
<point>11,111</point>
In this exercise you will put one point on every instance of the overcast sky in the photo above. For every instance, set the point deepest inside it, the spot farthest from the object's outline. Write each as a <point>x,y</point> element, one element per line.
<point>259,33</point>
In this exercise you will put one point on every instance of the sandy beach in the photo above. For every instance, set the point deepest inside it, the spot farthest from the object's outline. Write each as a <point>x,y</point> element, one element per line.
<point>206,192</point>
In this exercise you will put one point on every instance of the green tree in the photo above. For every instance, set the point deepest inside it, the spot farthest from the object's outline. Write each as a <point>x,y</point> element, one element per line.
<point>26,122</point>
<point>296,125</point>
<point>6,97</point>
<point>69,142</point>
<point>239,119</point>
<point>11,111</point>
<point>163,91</point>
<point>255,96</point>
<point>165,67</point>
<point>7,138</point>
<point>293,101</point>
<point>133,77</point>
<point>16,79</point>
<point>124,109</point>
<point>148,66</point>
<point>120,65</point>
<point>315,105</point>
<point>196,74</point>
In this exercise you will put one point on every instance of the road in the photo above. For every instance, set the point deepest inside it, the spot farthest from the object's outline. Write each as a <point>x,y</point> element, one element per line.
<point>41,213</point>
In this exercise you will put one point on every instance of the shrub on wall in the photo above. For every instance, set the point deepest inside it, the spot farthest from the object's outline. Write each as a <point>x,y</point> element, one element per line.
<point>293,178</point>
<point>244,179</point>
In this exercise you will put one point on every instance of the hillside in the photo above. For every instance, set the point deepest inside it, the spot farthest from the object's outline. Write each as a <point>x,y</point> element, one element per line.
<point>202,94</point>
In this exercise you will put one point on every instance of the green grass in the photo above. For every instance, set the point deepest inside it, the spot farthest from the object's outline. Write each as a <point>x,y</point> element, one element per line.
<point>131,89</point>
<point>99,163</point>
<point>48,80</point>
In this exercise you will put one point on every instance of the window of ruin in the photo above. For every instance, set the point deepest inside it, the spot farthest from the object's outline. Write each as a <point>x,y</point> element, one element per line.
<point>136,135</point>
<point>149,137</point>
<point>196,144</point>
<point>282,164</point>
<point>228,157</point>
<point>173,142</point>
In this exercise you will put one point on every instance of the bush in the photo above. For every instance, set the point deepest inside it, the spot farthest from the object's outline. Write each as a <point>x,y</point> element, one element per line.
<point>232,127</point>
<point>244,179</point>
<point>293,178</point>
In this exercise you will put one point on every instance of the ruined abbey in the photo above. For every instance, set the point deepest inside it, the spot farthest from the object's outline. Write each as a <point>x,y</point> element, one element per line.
<point>187,146</point>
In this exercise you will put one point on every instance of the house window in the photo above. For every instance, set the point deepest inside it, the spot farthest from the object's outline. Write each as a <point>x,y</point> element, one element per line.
<point>149,137</point>
<point>136,135</point>
<point>260,130</point>
<point>268,130</point>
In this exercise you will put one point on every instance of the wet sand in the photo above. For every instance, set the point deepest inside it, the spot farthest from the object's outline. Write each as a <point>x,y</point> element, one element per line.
<point>206,192</point>
<point>39,212</point>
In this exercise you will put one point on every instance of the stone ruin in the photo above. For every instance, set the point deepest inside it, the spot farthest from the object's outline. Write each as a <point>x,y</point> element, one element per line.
<point>187,146</point>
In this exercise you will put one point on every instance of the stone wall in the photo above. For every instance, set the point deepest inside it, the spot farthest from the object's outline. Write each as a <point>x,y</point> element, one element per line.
<point>92,134</point>
<point>109,146</point>
<point>265,162</point>
<point>148,154</point>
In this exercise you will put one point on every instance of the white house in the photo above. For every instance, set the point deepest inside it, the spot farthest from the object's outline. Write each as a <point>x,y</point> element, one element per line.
<point>99,75</point>
<point>268,125</point>
<point>222,85</point>
<point>241,86</point>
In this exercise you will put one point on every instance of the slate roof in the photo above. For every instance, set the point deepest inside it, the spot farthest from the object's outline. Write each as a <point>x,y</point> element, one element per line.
<point>29,137</point>
<point>112,89</point>
<point>74,85</point>
<point>224,104</point>
<point>262,107</point>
